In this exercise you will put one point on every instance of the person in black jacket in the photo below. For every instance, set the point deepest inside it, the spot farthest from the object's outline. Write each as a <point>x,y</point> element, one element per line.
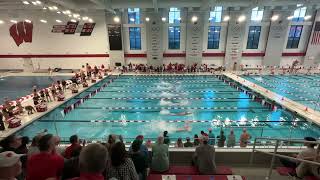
<point>2,127</point>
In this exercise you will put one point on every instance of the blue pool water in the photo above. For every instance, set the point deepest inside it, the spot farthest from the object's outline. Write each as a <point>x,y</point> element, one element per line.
<point>304,89</point>
<point>161,100</point>
<point>14,87</point>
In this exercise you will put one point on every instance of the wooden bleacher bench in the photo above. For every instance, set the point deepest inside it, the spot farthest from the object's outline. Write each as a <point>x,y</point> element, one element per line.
<point>195,177</point>
<point>192,170</point>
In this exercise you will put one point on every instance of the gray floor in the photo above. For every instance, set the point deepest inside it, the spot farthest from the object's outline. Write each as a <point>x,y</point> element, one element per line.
<point>252,173</point>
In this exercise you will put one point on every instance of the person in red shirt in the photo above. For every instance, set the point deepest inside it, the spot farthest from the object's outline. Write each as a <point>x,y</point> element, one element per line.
<point>46,164</point>
<point>75,143</point>
<point>93,161</point>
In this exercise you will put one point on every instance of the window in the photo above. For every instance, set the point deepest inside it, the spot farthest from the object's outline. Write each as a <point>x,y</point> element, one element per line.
<point>253,37</point>
<point>174,16</point>
<point>298,15</point>
<point>215,16</point>
<point>256,14</point>
<point>174,37</point>
<point>134,16</point>
<point>135,38</point>
<point>294,37</point>
<point>213,37</point>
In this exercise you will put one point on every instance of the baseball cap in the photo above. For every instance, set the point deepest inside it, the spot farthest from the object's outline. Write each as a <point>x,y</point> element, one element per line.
<point>9,158</point>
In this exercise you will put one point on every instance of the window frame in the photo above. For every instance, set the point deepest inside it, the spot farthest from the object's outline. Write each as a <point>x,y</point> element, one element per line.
<point>134,14</point>
<point>213,37</point>
<point>255,14</point>
<point>253,39</point>
<point>297,16</point>
<point>174,41</point>
<point>174,15</point>
<point>135,38</point>
<point>293,41</point>
<point>215,16</point>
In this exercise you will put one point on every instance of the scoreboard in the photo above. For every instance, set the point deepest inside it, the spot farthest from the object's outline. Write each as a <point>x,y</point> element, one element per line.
<point>73,27</point>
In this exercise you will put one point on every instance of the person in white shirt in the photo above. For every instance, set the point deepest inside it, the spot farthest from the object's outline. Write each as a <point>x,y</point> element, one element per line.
<point>10,165</point>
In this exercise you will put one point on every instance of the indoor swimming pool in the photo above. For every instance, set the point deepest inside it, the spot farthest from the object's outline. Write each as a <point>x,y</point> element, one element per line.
<point>14,87</point>
<point>304,89</point>
<point>182,105</point>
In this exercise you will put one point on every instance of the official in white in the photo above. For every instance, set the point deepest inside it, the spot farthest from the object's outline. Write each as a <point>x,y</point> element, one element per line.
<point>10,165</point>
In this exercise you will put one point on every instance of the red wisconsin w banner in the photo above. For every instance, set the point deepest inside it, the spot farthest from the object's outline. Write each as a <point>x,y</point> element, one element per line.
<point>21,32</point>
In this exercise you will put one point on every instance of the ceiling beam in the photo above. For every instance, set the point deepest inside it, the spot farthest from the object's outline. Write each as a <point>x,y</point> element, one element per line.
<point>155,5</point>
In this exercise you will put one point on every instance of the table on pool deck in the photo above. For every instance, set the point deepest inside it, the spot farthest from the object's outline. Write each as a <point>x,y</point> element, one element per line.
<point>28,119</point>
<point>309,114</point>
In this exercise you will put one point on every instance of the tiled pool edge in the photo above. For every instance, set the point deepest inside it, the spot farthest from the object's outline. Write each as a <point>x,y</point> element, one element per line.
<point>310,114</point>
<point>25,121</point>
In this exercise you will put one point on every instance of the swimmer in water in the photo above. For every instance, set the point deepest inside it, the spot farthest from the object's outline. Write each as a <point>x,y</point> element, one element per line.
<point>186,127</point>
<point>181,114</point>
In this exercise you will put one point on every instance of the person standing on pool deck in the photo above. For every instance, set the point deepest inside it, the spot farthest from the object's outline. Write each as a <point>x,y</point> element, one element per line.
<point>244,138</point>
<point>212,138</point>
<point>2,127</point>
<point>166,138</point>
<point>231,139</point>
<point>53,91</point>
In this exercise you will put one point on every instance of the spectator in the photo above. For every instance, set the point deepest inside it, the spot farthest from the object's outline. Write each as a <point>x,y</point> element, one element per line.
<point>2,127</point>
<point>204,157</point>
<point>92,161</point>
<point>196,141</point>
<point>139,159</point>
<point>22,149</point>
<point>221,139</point>
<point>179,143</point>
<point>244,138</point>
<point>111,140</point>
<point>45,164</point>
<point>166,138</point>
<point>302,169</point>
<point>188,143</point>
<point>75,143</point>
<point>34,149</point>
<point>143,148</point>
<point>121,167</point>
<point>71,166</point>
<point>149,143</point>
<point>160,156</point>
<point>10,165</point>
<point>231,139</point>
<point>212,138</point>
<point>11,143</point>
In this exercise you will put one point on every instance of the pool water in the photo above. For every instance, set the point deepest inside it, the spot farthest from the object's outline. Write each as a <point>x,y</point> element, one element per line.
<point>304,89</point>
<point>150,105</point>
<point>14,87</point>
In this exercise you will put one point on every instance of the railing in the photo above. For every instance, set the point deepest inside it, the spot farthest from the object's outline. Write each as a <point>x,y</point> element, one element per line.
<point>278,143</point>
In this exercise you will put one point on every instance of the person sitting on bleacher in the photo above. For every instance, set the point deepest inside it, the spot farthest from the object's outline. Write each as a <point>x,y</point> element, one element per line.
<point>188,143</point>
<point>302,169</point>
<point>75,144</point>
<point>204,157</point>
<point>160,156</point>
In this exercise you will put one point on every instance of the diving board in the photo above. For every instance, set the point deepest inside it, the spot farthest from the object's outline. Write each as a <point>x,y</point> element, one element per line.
<point>304,111</point>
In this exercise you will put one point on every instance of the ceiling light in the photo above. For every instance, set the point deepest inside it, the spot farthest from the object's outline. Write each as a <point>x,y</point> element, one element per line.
<point>38,2</point>
<point>55,7</point>
<point>27,20</point>
<point>163,19</point>
<point>147,19</point>
<point>13,21</point>
<point>226,18</point>
<point>43,21</point>
<point>44,8</point>
<point>51,8</point>
<point>307,17</point>
<point>69,15</point>
<point>90,20</point>
<point>274,17</point>
<point>290,17</point>
<point>299,5</point>
<point>1,22</point>
<point>85,18</point>
<point>73,20</point>
<point>25,2</point>
<point>78,18</point>
<point>66,12</point>
<point>194,19</point>
<point>132,19</point>
<point>58,12</point>
<point>76,15</point>
<point>116,19</point>
<point>34,3</point>
<point>241,18</point>
<point>179,18</point>
<point>58,21</point>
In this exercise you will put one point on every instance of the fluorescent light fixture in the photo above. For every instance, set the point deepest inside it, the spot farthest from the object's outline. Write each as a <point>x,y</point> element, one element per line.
<point>90,20</point>
<point>39,2</point>
<point>132,19</point>
<point>76,15</point>
<point>73,20</point>
<point>179,18</point>
<point>241,18</point>
<point>163,19</point>
<point>58,21</point>
<point>50,7</point>
<point>147,19</point>
<point>66,12</point>
<point>13,21</point>
<point>299,5</point>
<point>27,20</point>
<point>54,7</point>
<point>116,19</point>
<point>1,22</point>
<point>85,18</point>
<point>25,2</point>
<point>34,3</point>
<point>43,21</point>
<point>226,18</point>
<point>44,8</point>
<point>194,19</point>
<point>274,17</point>
<point>58,12</point>
<point>307,17</point>
<point>79,18</point>
<point>69,15</point>
<point>290,17</point>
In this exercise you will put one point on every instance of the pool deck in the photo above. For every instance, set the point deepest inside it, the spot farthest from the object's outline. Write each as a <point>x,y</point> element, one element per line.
<point>310,114</point>
<point>27,119</point>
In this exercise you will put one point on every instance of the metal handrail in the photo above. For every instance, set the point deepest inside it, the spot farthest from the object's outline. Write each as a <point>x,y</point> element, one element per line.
<point>274,154</point>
